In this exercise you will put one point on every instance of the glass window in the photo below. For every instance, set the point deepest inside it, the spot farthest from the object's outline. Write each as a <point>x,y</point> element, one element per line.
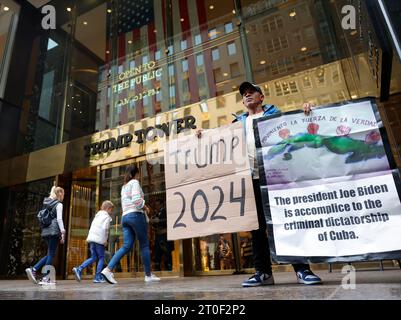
<point>198,39</point>
<point>83,210</point>
<point>228,27</point>
<point>23,245</point>
<point>320,78</point>
<point>266,90</point>
<point>165,255</point>
<point>157,55</point>
<point>183,45</point>
<point>231,48</point>
<point>215,54</point>
<point>212,33</point>
<point>286,89</point>
<point>307,82</point>
<point>145,100</point>
<point>293,87</point>
<point>159,95</point>
<point>214,253</point>
<point>8,24</point>
<point>199,60</point>
<point>171,70</point>
<point>184,65</point>
<point>279,90</point>
<point>172,91</point>
<point>47,95</point>
<point>170,50</point>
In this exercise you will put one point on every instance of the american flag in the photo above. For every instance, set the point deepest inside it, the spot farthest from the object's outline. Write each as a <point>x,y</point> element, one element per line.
<point>134,14</point>
<point>147,27</point>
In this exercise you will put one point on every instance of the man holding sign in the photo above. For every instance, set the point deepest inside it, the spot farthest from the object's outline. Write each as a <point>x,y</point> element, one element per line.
<point>252,98</point>
<point>342,204</point>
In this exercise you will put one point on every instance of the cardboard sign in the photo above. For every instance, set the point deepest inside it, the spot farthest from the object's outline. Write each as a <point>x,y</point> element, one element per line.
<point>209,185</point>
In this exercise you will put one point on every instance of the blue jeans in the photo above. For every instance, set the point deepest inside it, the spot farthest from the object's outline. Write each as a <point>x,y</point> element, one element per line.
<point>97,253</point>
<point>134,225</point>
<point>52,243</point>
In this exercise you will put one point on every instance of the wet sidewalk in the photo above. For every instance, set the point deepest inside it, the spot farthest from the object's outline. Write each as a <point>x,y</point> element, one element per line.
<point>384,285</point>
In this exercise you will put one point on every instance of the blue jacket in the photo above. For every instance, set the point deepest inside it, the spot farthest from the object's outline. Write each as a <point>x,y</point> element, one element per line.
<point>268,109</point>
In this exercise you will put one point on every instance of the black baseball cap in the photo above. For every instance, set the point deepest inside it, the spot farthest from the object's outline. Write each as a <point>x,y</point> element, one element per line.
<point>247,85</point>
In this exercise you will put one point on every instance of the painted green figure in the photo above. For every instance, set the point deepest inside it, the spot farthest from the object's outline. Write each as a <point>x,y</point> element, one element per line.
<point>358,150</point>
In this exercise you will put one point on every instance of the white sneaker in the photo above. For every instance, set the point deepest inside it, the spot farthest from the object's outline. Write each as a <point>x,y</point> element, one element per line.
<point>108,275</point>
<point>151,278</point>
<point>46,281</point>
<point>31,275</point>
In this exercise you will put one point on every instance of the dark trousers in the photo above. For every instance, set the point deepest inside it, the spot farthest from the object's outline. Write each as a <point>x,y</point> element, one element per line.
<point>260,243</point>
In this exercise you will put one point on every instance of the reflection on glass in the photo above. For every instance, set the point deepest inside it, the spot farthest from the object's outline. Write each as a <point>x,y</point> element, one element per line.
<point>83,210</point>
<point>246,249</point>
<point>112,180</point>
<point>217,252</point>
<point>214,252</point>
<point>172,68</point>
<point>21,241</point>
<point>164,256</point>
<point>8,21</point>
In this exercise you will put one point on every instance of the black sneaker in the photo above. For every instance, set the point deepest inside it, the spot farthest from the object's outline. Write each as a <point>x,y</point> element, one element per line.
<point>259,279</point>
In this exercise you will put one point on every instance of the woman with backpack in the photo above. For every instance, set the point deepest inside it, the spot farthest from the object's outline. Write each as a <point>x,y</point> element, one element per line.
<point>52,233</point>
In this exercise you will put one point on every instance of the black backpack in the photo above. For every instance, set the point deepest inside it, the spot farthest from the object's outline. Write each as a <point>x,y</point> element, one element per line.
<point>46,214</point>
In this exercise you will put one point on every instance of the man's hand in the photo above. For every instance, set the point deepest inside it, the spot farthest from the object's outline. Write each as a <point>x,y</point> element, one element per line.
<point>307,106</point>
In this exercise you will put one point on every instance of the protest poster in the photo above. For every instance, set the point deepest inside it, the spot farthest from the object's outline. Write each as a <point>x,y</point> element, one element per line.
<point>330,187</point>
<point>208,184</point>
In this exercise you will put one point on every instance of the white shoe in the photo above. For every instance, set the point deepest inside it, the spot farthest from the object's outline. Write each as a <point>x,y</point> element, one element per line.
<point>46,281</point>
<point>31,275</point>
<point>151,278</point>
<point>108,275</point>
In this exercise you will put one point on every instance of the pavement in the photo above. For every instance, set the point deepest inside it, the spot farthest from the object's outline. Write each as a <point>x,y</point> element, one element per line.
<point>369,285</point>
